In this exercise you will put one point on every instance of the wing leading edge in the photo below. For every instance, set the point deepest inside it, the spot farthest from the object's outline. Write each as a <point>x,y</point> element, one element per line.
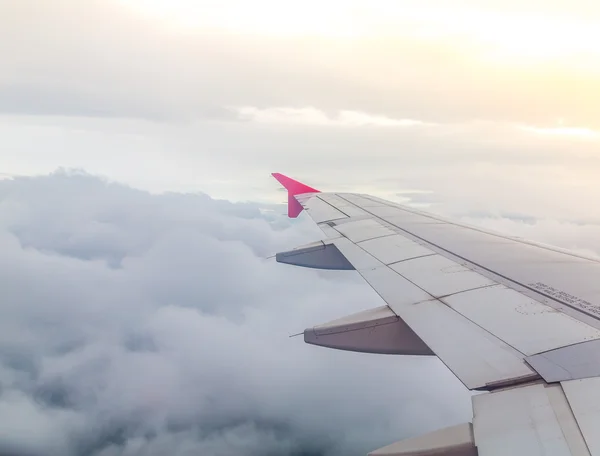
<point>517,320</point>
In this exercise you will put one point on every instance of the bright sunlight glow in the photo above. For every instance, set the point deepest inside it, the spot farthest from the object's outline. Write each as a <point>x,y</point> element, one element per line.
<point>500,34</point>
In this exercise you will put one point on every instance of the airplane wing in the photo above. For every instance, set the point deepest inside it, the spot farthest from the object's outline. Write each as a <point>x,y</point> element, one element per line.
<point>516,320</point>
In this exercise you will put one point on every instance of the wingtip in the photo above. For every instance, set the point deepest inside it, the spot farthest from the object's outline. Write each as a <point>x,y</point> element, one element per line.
<point>293,188</point>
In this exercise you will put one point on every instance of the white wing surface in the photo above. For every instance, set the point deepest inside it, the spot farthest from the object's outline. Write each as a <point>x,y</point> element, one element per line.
<point>516,320</point>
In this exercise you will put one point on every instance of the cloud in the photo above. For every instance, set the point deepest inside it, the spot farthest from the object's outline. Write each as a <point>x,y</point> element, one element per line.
<point>137,323</point>
<point>316,117</point>
<point>577,235</point>
<point>467,167</point>
<point>55,61</point>
<point>574,132</point>
<point>143,324</point>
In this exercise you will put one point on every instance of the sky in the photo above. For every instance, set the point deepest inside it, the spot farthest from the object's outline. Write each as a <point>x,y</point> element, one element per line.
<point>137,138</point>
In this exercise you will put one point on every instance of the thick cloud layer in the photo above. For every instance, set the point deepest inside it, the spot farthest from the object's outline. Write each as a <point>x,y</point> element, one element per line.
<point>100,58</point>
<point>151,324</point>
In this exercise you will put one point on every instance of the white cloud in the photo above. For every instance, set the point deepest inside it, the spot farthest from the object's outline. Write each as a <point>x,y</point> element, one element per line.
<point>315,117</point>
<point>124,65</point>
<point>563,131</point>
<point>136,323</point>
<point>465,167</point>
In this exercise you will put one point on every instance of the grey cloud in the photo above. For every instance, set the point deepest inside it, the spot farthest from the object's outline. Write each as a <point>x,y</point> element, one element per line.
<point>98,58</point>
<point>139,324</point>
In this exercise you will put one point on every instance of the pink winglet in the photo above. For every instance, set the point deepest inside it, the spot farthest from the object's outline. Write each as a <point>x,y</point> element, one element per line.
<point>294,188</point>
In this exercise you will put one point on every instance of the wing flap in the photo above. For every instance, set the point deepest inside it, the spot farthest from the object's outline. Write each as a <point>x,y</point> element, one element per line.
<point>525,324</point>
<point>475,356</point>
<point>584,400</point>
<point>531,420</point>
<point>568,363</point>
<point>450,441</point>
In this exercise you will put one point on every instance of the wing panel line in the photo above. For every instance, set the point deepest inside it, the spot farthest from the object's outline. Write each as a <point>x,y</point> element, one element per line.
<point>439,299</point>
<point>577,309</point>
<point>411,258</point>
<point>474,228</point>
<point>336,208</point>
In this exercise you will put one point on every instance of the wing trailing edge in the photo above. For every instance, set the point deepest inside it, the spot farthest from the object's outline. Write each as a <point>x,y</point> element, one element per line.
<point>450,441</point>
